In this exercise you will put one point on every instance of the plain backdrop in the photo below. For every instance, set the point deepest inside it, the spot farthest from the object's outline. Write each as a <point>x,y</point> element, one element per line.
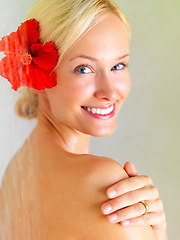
<point>148,129</point>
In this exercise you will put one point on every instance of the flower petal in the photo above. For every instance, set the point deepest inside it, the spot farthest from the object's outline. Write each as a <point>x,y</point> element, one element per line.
<point>45,55</point>
<point>20,41</point>
<point>11,44</point>
<point>40,79</point>
<point>11,68</point>
<point>29,32</point>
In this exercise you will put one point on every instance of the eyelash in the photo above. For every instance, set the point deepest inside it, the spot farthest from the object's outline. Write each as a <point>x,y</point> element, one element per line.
<point>123,64</point>
<point>83,66</point>
<point>87,66</point>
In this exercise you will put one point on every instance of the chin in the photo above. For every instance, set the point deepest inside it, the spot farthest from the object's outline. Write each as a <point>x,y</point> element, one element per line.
<point>104,132</point>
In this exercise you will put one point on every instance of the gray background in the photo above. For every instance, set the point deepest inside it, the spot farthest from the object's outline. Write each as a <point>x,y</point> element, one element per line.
<point>148,128</point>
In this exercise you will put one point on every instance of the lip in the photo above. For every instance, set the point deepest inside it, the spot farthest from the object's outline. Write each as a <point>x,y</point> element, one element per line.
<point>102,117</point>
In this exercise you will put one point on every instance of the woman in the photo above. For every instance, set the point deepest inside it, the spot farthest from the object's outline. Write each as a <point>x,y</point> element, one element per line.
<point>54,189</point>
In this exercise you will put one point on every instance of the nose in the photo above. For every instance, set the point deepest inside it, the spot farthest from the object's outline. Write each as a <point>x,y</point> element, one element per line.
<point>106,88</point>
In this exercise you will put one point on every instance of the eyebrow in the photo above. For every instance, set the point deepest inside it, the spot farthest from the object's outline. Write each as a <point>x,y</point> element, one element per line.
<point>95,59</point>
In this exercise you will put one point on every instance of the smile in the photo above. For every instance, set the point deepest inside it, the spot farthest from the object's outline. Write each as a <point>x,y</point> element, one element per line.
<point>101,113</point>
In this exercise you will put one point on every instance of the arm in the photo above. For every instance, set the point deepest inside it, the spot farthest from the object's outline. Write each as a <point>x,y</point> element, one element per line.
<point>129,194</point>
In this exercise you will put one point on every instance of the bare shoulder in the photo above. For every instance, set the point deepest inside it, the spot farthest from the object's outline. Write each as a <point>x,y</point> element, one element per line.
<point>69,192</point>
<point>102,174</point>
<point>105,170</point>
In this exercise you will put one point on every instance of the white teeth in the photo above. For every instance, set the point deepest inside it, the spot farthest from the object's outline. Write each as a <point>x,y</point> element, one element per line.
<point>93,110</point>
<point>111,108</point>
<point>100,111</point>
<point>108,110</point>
<point>103,111</point>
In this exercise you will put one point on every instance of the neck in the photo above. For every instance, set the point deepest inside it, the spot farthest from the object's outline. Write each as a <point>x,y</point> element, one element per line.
<point>69,139</point>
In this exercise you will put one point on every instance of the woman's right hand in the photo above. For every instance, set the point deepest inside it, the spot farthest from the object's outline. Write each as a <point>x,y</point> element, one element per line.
<point>159,230</point>
<point>128,207</point>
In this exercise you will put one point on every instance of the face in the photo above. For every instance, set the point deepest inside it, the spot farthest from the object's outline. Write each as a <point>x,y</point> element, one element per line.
<point>93,80</point>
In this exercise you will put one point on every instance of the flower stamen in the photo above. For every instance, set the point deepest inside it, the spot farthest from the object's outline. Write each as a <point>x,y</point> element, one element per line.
<point>26,58</point>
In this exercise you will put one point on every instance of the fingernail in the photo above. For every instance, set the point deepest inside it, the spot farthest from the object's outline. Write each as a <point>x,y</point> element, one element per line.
<point>106,208</point>
<point>112,192</point>
<point>113,218</point>
<point>125,223</point>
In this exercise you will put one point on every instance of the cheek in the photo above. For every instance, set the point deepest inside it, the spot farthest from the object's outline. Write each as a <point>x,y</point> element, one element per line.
<point>69,94</point>
<point>124,85</point>
<point>77,89</point>
<point>128,87</point>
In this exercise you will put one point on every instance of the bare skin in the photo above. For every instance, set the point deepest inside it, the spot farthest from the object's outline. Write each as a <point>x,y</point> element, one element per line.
<point>57,188</point>
<point>46,205</point>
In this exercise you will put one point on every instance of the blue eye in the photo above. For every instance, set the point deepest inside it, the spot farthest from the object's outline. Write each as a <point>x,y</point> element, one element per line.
<point>119,66</point>
<point>84,69</point>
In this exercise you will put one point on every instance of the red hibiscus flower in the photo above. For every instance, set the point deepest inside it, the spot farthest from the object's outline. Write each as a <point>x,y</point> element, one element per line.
<point>28,62</point>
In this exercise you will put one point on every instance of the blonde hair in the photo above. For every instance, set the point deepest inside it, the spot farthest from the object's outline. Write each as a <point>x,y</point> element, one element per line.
<point>63,22</point>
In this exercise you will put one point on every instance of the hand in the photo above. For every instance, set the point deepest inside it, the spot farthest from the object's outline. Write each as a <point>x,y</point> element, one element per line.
<point>125,205</point>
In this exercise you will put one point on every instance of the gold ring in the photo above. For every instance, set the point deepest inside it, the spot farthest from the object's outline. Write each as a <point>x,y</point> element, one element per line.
<point>146,207</point>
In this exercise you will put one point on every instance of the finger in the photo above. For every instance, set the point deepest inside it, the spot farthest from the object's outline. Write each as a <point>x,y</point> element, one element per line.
<point>156,220</point>
<point>135,211</point>
<point>128,184</point>
<point>130,169</point>
<point>130,198</point>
